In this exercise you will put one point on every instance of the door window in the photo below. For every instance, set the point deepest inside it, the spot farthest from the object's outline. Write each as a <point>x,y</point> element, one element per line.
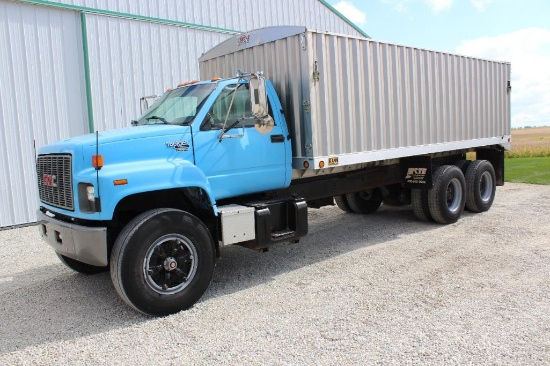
<point>238,99</point>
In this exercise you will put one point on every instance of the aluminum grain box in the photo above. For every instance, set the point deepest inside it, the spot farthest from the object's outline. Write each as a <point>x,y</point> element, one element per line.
<point>352,100</point>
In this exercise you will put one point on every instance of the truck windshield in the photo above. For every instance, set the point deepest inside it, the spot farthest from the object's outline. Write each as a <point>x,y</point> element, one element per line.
<point>177,107</point>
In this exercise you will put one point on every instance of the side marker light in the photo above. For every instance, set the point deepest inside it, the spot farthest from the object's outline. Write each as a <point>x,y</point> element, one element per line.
<point>120,182</point>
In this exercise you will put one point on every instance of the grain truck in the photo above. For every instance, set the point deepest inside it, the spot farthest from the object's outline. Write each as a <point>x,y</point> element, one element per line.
<point>285,119</point>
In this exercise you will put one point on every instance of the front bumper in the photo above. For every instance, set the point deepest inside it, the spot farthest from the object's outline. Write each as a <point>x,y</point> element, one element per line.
<point>82,243</point>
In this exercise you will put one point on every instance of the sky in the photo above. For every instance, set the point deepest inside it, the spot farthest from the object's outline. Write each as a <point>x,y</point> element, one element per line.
<point>517,31</point>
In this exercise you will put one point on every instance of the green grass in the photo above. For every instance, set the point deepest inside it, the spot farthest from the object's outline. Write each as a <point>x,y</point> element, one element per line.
<point>527,170</point>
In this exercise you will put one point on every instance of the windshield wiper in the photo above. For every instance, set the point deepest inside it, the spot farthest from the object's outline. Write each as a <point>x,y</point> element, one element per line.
<point>162,119</point>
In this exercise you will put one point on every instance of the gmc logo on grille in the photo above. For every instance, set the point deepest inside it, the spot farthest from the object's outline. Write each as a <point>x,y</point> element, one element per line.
<point>49,180</point>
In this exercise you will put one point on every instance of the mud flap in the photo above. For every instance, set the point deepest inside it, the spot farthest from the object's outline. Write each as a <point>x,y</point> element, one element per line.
<point>417,172</point>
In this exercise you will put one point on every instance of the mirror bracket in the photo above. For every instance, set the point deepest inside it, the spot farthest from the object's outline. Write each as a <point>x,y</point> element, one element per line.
<point>258,96</point>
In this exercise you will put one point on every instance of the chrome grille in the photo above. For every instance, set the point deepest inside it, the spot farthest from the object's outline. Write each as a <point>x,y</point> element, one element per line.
<point>55,180</point>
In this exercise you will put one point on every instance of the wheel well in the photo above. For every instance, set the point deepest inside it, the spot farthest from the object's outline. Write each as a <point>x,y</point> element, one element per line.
<point>193,200</point>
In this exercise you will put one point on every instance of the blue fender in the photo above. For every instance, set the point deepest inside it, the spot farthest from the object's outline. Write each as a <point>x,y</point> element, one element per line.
<point>159,175</point>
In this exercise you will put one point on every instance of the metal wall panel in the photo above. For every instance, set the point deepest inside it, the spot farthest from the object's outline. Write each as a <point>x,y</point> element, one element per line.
<point>131,59</point>
<point>241,15</point>
<point>42,97</point>
<point>373,100</point>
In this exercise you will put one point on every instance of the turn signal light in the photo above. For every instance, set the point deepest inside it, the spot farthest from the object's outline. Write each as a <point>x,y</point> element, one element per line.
<point>120,182</point>
<point>215,78</point>
<point>97,161</point>
<point>321,164</point>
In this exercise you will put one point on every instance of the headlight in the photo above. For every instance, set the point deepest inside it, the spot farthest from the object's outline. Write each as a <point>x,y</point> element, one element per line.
<point>90,192</point>
<point>86,198</point>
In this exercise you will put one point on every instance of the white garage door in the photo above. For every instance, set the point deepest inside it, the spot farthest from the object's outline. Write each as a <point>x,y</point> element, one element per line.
<point>42,97</point>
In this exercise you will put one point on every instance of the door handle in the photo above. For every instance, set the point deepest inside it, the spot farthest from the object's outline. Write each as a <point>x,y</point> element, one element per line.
<point>277,138</point>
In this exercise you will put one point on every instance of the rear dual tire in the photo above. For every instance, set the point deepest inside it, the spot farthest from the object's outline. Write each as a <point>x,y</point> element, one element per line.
<point>480,186</point>
<point>447,197</point>
<point>470,185</point>
<point>419,203</point>
<point>342,203</point>
<point>364,202</point>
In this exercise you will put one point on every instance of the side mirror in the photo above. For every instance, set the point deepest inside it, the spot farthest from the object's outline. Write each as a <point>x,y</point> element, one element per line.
<point>144,102</point>
<point>258,96</point>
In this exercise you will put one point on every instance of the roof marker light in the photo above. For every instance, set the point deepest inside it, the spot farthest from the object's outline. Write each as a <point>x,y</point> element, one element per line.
<point>188,83</point>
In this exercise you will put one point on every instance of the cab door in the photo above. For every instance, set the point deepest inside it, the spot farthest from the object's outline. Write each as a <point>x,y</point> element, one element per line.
<point>247,158</point>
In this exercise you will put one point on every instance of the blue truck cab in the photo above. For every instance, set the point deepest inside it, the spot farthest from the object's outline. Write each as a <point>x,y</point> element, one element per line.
<point>199,144</point>
<point>188,138</point>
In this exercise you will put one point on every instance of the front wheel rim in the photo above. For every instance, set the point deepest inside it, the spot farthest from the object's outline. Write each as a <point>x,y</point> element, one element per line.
<point>170,264</point>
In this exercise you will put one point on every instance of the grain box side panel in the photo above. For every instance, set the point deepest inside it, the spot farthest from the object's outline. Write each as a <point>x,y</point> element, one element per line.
<point>375,97</point>
<point>368,100</point>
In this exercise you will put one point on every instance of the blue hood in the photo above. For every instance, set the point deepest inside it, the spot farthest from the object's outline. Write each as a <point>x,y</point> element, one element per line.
<point>128,144</point>
<point>127,133</point>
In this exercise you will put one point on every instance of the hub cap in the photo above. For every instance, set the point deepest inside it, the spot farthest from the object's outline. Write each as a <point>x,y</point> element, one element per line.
<point>454,195</point>
<point>486,187</point>
<point>170,264</point>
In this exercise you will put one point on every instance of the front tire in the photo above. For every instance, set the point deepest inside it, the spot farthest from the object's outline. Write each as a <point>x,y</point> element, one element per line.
<point>162,261</point>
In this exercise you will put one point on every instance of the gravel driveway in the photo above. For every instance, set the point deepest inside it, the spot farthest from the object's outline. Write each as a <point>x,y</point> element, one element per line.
<point>379,289</point>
